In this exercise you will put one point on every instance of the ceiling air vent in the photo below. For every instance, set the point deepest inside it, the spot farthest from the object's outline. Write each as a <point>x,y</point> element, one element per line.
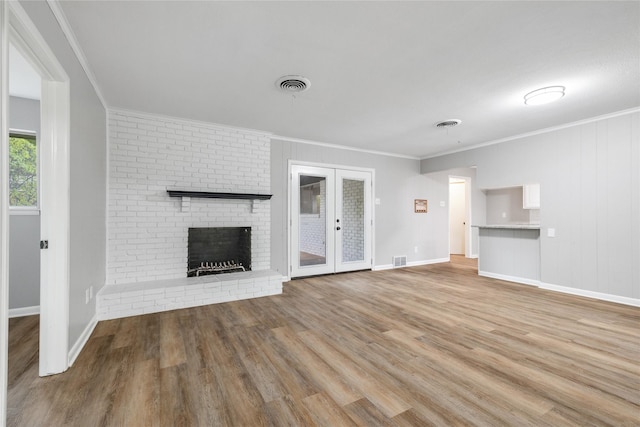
<point>293,84</point>
<point>448,123</point>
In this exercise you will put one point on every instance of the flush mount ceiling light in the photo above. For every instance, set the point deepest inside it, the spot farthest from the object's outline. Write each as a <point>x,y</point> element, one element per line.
<point>293,84</point>
<point>448,123</point>
<point>544,95</point>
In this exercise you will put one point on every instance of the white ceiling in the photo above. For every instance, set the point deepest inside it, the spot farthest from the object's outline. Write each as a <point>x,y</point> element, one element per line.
<point>24,81</point>
<point>382,73</point>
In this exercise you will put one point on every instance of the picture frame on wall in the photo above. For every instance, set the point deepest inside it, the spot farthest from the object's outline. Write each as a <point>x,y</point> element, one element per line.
<point>420,206</point>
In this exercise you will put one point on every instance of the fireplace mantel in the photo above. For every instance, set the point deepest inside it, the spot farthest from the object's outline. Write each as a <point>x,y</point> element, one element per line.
<point>217,195</point>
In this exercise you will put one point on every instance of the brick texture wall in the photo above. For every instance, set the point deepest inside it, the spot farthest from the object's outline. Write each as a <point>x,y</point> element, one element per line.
<point>352,220</point>
<point>147,230</point>
<point>313,228</point>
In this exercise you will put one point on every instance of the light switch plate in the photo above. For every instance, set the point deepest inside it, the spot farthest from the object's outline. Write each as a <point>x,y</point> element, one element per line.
<point>551,232</point>
<point>442,203</point>
<point>377,201</point>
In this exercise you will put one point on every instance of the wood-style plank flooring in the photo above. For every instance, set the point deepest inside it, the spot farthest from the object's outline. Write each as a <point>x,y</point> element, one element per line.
<point>430,345</point>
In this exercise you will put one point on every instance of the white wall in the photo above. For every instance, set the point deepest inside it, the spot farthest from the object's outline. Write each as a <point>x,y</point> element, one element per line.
<point>88,174</point>
<point>398,230</point>
<point>590,195</point>
<point>24,229</point>
<point>148,230</point>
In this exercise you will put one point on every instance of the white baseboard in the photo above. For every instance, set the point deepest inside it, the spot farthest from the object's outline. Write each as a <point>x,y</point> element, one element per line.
<point>82,340</point>
<point>24,311</point>
<point>428,261</point>
<point>590,294</point>
<point>473,256</point>
<point>412,264</point>
<point>522,280</point>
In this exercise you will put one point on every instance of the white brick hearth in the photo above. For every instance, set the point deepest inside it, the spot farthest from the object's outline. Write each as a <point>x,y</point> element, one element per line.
<point>116,301</point>
<point>148,230</point>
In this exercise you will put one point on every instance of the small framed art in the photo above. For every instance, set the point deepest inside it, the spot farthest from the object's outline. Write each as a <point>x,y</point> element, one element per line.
<point>420,206</point>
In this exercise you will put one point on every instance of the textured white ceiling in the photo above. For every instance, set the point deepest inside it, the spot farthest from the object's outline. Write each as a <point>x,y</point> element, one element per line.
<point>382,73</point>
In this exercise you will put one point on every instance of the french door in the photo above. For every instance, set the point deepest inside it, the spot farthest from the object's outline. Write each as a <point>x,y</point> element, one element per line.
<point>331,221</point>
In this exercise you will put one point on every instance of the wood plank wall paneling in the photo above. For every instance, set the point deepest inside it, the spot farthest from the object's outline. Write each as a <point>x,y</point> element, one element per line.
<point>428,345</point>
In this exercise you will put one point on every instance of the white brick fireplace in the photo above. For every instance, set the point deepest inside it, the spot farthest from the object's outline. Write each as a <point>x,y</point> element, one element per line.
<point>148,230</point>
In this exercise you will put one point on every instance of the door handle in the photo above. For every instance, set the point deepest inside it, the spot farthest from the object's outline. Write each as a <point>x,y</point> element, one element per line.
<point>338,228</point>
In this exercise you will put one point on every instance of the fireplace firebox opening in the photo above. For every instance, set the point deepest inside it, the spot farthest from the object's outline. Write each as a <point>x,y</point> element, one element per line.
<point>216,250</point>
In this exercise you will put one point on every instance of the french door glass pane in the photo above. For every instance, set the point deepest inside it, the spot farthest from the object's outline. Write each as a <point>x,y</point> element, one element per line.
<point>352,220</point>
<point>313,220</point>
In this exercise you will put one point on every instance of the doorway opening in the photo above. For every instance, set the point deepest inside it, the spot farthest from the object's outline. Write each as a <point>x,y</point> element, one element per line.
<point>460,216</point>
<point>53,168</point>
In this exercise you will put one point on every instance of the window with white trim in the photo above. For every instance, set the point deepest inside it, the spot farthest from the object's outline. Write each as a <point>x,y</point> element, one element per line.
<point>23,171</point>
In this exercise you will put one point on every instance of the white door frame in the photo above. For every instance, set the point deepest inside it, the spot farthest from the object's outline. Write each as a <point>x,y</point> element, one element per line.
<point>55,187</point>
<point>4,207</point>
<point>292,163</point>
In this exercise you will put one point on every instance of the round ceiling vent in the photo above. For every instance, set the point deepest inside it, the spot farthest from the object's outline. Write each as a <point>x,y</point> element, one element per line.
<point>293,84</point>
<point>448,123</point>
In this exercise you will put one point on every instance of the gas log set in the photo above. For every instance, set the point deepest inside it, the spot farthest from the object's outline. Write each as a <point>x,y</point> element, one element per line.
<point>206,268</point>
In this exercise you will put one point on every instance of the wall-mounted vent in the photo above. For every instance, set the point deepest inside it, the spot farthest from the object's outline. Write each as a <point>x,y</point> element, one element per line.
<point>399,261</point>
<point>448,123</point>
<point>293,84</point>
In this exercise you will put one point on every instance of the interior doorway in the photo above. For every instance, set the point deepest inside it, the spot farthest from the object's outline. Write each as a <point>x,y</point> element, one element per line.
<point>460,216</point>
<point>331,220</point>
<point>54,169</point>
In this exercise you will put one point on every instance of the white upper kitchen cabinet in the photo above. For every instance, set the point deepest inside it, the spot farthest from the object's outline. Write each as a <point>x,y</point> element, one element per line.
<point>531,196</point>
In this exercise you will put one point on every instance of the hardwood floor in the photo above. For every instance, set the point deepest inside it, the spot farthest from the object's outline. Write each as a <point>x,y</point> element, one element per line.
<point>429,345</point>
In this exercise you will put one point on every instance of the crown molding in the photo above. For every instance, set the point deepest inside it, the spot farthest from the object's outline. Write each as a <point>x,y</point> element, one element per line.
<point>60,16</point>
<point>539,132</point>
<point>343,147</point>
<point>181,120</point>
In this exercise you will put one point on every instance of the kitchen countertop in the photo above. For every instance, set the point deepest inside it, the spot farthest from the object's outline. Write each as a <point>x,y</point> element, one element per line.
<point>511,226</point>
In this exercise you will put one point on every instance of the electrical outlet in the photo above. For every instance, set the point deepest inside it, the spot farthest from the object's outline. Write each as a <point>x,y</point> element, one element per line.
<point>91,292</point>
<point>415,249</point>
<point>86,296</point>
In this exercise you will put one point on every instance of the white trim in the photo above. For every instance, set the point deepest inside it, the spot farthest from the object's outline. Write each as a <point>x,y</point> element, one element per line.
<point>24,311</point>
<point>591,294</point>
<point>27,39</point>
<point>329,166</point>
<point>23,132</point>
<point>537,132</point>
<point>60,16</point>
<point>412,264</point>
<point>23,211</point>
<point>428,261</point>
<point>188,122</point>
<point>473,256</point>
<point>522,280</point>
<point>343,147</point>
<point>82,340</point>
<point>55,199</point>
<point>55,227</point>
<point>4,207</point>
